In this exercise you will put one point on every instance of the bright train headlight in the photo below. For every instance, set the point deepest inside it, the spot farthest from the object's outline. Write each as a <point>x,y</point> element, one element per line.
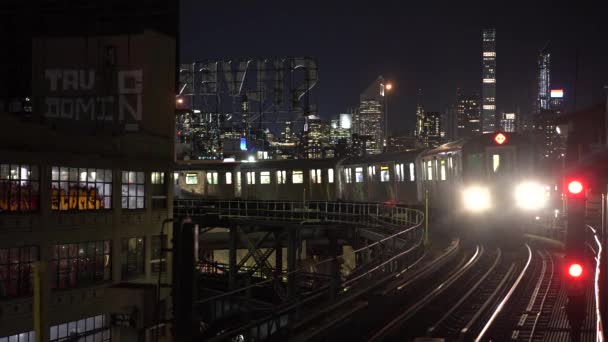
<point>476,199</point>
<point>530,196</point>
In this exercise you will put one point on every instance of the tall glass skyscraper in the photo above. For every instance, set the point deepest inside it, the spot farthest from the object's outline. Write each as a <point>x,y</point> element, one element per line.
<point>488,90</point>
<point>544,81</point>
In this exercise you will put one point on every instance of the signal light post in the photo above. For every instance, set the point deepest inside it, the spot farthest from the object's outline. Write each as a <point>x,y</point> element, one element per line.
<point>574,258</point>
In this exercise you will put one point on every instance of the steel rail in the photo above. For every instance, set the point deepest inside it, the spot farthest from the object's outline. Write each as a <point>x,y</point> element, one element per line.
<point>542,303</point>
<point>504,301</point>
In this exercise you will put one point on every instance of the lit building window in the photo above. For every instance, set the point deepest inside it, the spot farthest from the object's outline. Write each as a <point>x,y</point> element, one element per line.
<point>191,178</point>
<point>228,177</point>
<point>359,175</point>
<point>16,267</point>
<point>281,177</point>
<point>212,178</point>
<point>159,190</point>
<point>132,190</point>
<point>81,264</point>
<point>330,175</point>
<point>385,174</point>
<point>412,173</point>
<point>348,175</point>
<point>315,176</point>
<point>132,258</point>
<point>265,177</point>
<point>80,189</point>
<point>250,175</point>
<point>19,187</point>
<point>297,177</point>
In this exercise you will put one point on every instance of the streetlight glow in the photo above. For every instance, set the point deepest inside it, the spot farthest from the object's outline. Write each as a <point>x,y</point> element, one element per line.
<point>388,86</point>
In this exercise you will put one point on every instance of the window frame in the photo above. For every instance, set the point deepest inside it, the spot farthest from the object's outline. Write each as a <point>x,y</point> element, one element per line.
<point>138,183</point>
<point>31,181</point>
<point>70,179</point>
<point>299,173</point>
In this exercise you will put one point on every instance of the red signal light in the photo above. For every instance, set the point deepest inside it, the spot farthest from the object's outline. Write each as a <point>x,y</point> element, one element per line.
<point>575,187</point>
<point>575,270</point>
<point>500,138</point>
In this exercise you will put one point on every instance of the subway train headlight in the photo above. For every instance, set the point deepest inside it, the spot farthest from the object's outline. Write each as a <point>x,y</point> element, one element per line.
<point>530,196</point>
<point>476,199</point>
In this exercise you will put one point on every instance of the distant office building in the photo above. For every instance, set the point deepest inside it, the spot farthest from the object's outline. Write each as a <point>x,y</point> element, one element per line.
<point>508,122</point>
<point>315,137</point>
<point>368,119</point>
<point>546,137</point>
<point>419,116</point>
<point>402,143</point>
<point>468,112</point>
<point>340,135</point>
<point>544,81</point>
<point>556,103</point>
<point>431,132</point>
<point>489,81</point>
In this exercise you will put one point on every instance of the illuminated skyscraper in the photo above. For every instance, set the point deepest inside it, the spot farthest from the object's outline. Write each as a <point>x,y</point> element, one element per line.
<point>419,116</point>
<point>489,81</point>
<point>368,120</point>
<point>544,81</point>
<point>508,122</point>
<point>468,113</point>
<point>431,129</point>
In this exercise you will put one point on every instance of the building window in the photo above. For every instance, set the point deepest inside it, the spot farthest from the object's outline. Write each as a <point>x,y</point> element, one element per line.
<point>157,260</point>
<point>22,337</point>
<point>80,189</point>
<point>348,175</point>
<point>281,177</point>
<point>385,174</point>
<point>330,175</point>
<point>133,257</point>
<point>412,173</point>
<point>212,178</point>
<point>19,187</point>
<point>358,175</point>
<point>297,177</point>
<point>429,170</point>
<point>315,176</point>
<point>133,190</point>
<point>191,178</point>
<point>443,173</point>
<point>16,270</point>
<point>228,177</point>
<point>265,177</point>
<point>81,264</point>
<point>159,190</point>
<point>94,328</point>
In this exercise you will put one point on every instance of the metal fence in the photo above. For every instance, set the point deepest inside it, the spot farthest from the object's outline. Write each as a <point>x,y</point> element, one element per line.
<point>399,243</point>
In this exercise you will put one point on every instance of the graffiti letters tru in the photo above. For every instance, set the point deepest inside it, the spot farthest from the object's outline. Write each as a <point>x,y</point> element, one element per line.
<point>73,96</point>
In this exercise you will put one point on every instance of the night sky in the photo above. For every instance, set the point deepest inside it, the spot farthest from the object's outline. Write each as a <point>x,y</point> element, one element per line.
<point>435,46</point>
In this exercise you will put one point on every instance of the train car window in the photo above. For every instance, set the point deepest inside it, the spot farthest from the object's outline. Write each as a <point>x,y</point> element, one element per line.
<point>385,174</point>
<point>359,175</point>
<point>250,177</point>
<point>399,174</point>
<point>175,178</point>
<point>315,176</point>
<point>281,177</point>
<point>211,177</point>
<point>265,177</point>
<point>297,177</point>
<point>228,177</point>
<point>238,184</point>
<point>348,175</point>
<point>191,178</point>
<point>412,174</point>
<point>495,162</point>
<point>330,175</point>
<point>450,163</point>
<point>371,170</point>
<point>475,165</point>
<point>429,170</point>
<point>443,173</point>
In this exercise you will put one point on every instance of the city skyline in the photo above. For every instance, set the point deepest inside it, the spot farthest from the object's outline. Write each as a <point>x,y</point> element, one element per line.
<point>439,60</point>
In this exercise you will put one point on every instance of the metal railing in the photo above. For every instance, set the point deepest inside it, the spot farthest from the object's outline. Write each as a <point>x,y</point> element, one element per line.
<point>400,242</point>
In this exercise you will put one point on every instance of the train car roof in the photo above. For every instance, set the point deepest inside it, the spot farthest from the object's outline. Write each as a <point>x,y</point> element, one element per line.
<point>259,164</point>
<point>455,145</point>
<point>382,157</point>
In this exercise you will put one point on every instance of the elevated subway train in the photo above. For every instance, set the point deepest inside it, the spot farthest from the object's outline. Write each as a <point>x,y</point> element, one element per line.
<point>487,176</point>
